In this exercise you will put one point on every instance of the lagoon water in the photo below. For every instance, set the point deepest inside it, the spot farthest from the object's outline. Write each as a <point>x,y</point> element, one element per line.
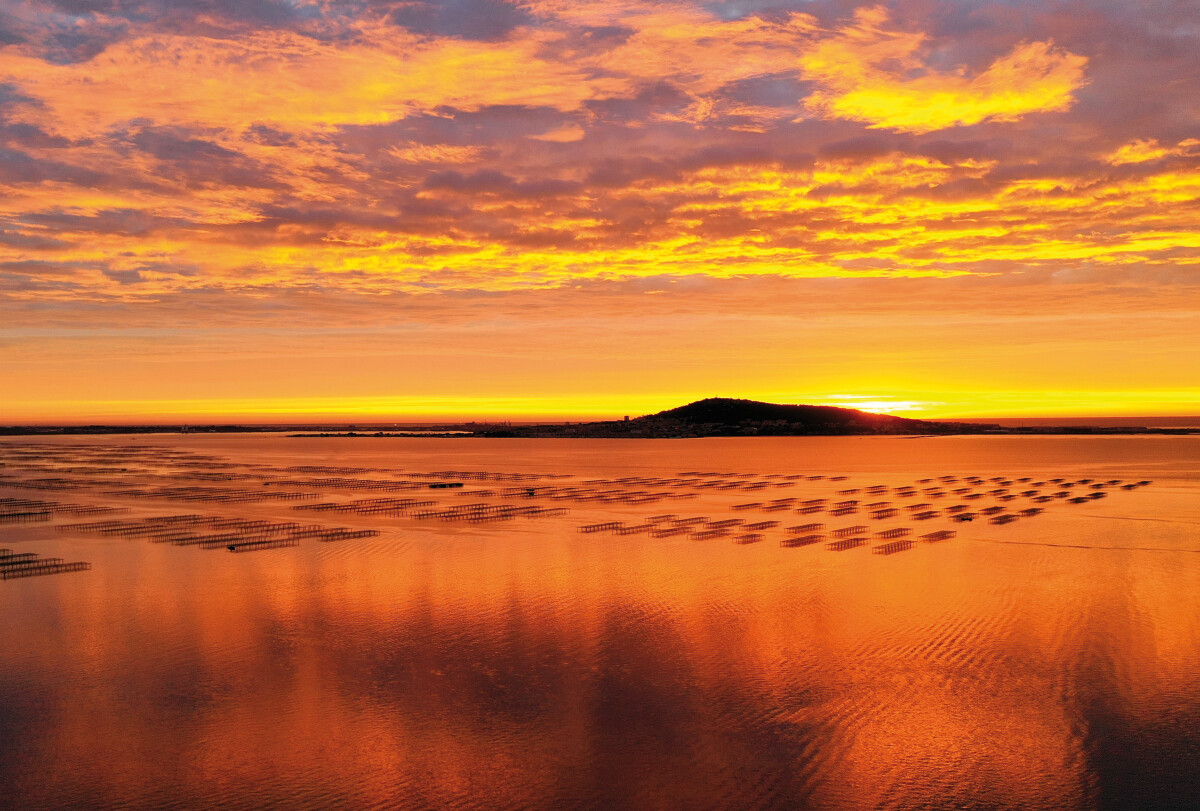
<point>1052,662</point>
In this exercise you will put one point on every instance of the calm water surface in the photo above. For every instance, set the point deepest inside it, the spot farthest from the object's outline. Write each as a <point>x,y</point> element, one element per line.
<point>1053,662</point>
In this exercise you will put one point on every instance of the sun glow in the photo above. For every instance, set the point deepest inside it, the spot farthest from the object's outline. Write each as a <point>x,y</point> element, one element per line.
<point>873,403</point>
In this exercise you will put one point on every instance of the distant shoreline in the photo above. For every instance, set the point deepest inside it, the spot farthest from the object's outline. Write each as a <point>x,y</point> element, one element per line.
<point>710,417</point>
<point>557,432</point>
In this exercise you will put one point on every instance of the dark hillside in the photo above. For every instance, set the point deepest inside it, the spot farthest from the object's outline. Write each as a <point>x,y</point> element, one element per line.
<point>726,411</point>
<point>720,416</point>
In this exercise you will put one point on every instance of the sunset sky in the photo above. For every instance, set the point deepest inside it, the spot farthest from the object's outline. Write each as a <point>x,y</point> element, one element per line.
<point>274,209</point>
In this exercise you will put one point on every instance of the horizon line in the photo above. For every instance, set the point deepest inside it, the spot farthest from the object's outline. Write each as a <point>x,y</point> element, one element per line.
<point>412,422</point>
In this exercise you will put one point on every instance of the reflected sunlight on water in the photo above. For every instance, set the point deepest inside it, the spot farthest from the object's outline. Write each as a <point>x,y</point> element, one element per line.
<point>1045,663</point>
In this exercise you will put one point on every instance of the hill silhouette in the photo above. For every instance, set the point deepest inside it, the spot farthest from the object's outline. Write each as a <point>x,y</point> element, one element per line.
<point>723,416</point>
<point>728,411</point>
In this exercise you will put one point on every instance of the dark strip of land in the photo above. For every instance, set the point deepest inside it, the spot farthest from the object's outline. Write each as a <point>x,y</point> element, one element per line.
<point>704,418</point>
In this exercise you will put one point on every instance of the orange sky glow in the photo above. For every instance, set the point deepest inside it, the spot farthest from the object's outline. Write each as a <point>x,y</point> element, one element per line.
<point>283,210</point>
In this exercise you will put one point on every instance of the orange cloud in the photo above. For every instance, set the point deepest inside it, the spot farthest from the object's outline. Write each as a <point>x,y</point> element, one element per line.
<point>1148,149</point>
<point>436,153</point>
<point>864,72</point>
<point>290,80</point>
<point>562,135</point>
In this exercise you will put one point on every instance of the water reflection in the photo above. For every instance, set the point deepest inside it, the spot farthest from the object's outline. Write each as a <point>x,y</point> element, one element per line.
<point>528,665</point>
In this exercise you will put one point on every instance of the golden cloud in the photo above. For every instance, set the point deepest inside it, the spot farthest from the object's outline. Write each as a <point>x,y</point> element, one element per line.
<point>568,133</point>
<point>288,81</point>
<point>1149,149</point>
<point>436,153</point>
<point>866,73</point>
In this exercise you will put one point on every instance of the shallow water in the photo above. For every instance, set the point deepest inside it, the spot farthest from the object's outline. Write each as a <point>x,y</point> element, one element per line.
<point>1047,663</point>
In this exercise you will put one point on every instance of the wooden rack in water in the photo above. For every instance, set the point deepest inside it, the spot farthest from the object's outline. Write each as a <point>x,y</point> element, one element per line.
<point>212,532</point>
<point>342,483</point>
<point>490,512</point>
<point>53,483</point>
<point>845,544</point>
<point>23,516</point>
<point>15,565</point>
<point>614,495</point>
<point>224,495</point>
<point>370,506</point>
<point>270,543</point>
<point>939,535</point>
<point>36,506</point>
<point>218,540</point>
<point>893,547</point>
<point>802,540</point>
<point>606,526</point>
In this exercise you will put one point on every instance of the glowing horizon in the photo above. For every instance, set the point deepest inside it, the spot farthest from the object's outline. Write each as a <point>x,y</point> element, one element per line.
<point>1081,405</point>
<point>576,209</point>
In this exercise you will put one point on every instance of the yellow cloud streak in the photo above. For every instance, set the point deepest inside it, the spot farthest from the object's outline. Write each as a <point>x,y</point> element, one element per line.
<point>1148,149</point>
<point>880,226</point>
